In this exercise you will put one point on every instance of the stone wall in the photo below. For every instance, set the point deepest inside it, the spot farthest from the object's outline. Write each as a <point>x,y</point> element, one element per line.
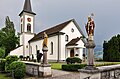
<point>36,69</point>
<point>103,72</point>
<point>32,68</point>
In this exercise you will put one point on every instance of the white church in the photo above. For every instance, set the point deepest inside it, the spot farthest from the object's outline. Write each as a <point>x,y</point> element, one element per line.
<point>64,39</point>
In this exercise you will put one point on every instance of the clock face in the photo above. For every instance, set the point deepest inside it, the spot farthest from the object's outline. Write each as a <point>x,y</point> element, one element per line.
<point>29,19</point>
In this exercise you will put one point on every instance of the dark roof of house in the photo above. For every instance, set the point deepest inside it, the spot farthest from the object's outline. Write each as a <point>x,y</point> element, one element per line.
<point>51,31</point>
<point>73,42</point>
<point>27,7</point>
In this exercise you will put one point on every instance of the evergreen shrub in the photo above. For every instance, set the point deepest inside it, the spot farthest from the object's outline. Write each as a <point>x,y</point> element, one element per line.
<point>72,67</point>
<point>18,68</point>
<point>9,60</point>
<point>71,60</point>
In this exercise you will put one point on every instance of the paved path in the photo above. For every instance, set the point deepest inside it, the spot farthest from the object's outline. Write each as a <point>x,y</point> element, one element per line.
<point>59,74</point>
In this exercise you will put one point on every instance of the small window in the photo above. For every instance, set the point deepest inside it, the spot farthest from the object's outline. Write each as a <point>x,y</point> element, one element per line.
<point>51,48</point>
<point>29,27</point>
<point>72,30</point>
<point>66,38</point>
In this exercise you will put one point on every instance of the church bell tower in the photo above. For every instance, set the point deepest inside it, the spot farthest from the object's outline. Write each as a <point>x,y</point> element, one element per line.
<point>27,21</point>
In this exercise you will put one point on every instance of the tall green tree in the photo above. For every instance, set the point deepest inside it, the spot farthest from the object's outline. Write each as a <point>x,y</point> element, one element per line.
<point>8,39</point>
<point>111,49</point>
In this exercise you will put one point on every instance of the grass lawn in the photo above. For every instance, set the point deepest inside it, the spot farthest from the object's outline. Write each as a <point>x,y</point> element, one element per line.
<point>3,76</point>
<point>55,65</point>
<point>58,66</point>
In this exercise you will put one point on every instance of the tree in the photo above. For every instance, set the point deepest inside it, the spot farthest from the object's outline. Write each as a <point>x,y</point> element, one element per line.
<point>111,49</point>
<point>8,39</point>
<point>2,52</point>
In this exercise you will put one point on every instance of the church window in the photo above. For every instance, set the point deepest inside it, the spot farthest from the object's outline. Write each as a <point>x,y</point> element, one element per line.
<point>29,27</point>
<point>36,48</point>
<point>21,28</point>
<point>66,38</point>
<point>51,48</point>
<point>27,46</point>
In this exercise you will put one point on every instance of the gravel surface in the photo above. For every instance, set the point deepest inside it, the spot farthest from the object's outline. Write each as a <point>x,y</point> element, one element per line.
<point>59,74</point>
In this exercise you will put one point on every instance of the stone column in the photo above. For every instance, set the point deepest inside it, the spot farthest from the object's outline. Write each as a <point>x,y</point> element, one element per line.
<point>90,45</point>
<point>45,49</point>
<point>45,68</point>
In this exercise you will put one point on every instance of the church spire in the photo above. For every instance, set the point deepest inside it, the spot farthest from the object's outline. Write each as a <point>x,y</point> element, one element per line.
<point>27,7</point>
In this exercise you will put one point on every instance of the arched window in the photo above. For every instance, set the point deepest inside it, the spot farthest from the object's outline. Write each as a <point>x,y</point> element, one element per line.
<point>29,27</point>
<point>51,48</point>
<point>21,28</point>
<point>36,48</point>
<point>66,38</point>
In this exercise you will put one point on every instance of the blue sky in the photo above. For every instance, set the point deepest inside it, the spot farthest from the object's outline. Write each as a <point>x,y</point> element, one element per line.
<point>52,12</point>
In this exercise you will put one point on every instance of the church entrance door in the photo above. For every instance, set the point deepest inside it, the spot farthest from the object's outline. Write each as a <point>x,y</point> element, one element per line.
<point>72,53</point>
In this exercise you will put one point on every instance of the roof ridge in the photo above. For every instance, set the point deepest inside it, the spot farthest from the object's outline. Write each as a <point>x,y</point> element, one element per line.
<point>57,25</point>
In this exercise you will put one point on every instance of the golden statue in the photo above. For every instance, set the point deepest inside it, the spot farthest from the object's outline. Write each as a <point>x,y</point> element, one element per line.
<point>90,26</point>
<point>45,41</point>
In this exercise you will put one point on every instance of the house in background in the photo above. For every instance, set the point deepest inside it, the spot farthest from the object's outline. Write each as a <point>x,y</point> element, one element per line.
<point>64,39</point>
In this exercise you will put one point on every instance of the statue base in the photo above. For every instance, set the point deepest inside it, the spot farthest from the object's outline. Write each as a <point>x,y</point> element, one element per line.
<point>45,70</point>
<point>90,67</point>
<point>44,49</point>
<point>90,45</point>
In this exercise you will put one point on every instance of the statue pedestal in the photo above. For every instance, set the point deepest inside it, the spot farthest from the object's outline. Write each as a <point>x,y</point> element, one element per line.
<point>45,68</point>
<point>90,45</point>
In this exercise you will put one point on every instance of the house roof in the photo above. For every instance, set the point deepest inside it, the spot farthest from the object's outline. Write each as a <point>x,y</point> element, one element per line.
<point>55,30</point>
<point>73,42</point>
<point>27,7</point>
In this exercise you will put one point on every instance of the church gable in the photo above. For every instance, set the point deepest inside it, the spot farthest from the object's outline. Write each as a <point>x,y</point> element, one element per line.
<point>51,31</point>
<point>72,28</point>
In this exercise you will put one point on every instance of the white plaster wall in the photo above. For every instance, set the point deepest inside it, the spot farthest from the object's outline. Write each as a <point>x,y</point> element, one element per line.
<point>80,44</point>
<point>18,51</point>
<point>80,52</point>
<point>53,39</point>
<point>21,39</point>
<point>67,31</point>
<point>27,37</point>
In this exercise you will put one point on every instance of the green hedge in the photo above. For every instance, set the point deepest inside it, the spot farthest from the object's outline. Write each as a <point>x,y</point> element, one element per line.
<point>18,68</point>
<point>107,64</point>
<point>2,64</point>
<point>9,60</point>
<point>71,60</point>
<point>73,67</point>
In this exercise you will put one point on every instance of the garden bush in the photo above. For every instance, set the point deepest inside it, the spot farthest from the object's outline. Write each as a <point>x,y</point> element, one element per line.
<point>9,60</point>
<point>2,64</point>
<point>72,67</point>
<point>73,60</point>
<point>18,68</point>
